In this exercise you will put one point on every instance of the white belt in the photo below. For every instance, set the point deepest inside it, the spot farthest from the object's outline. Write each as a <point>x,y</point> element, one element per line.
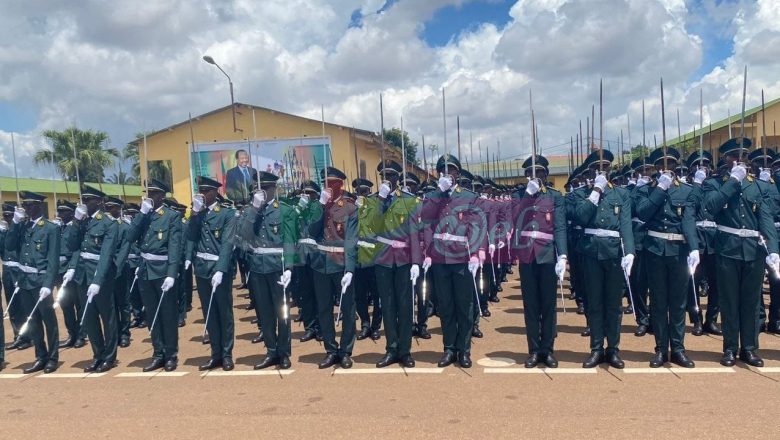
<point>709,224</point>
<point>63,259</point>
<point>777,225</point>
<point>636,219</point>
<point>28,269</point>
<point>536,234</point>
<point>335,249</point>
<point>450,237</point>
<point>578,227</point>
<point>365,244</point>
<point>394,243</point>
<point>132,256</point>
<point>10,264</point>
<point>268,251</point>
<point>154,257</point>
<point>602,232</point>
<point>90,256</point>
<point>310,241</point>
<point>666,236</point>
<point>738,232</point>
<point>207,256</point>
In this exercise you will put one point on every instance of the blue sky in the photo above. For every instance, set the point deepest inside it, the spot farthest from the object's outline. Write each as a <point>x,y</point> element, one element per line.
<point>450,21</point>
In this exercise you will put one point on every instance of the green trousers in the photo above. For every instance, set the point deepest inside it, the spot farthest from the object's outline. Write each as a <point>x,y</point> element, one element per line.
<point>220,324</point>
<point>395,293</point>
<point>100,321</point>
<point>739,286</point>
<point>455,303</point>
<point>539,283</point>
<point>669,291</point>
<point>269,303</point>
<point>604,283</point>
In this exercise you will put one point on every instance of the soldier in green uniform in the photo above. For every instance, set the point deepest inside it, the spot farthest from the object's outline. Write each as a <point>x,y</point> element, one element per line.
<point>667,206</point>
<point>183,285</point>
<point>37,242</point>
<point>365,276</point>
<point>303,277</point>
<point>638,277</point>
<point>133,261</point>
<point>574,234</point>
<point>455,231</point>
<point>211,235</point>
<point>394,218</point>
<point>157,230</point>
<point>540,243</point>
<point>746,234</point>
<point>93,270</point>
<point>113,207</point>
<point>773,326</point>
<point>607,247</point>
<point>335,228</point>
<point>68,297</point>
<point>10,276</point>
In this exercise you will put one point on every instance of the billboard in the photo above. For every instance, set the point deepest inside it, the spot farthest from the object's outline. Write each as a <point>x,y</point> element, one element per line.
<point>234,163</point>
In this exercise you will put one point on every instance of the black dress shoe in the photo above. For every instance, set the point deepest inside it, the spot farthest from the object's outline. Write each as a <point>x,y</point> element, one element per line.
<point>254,321</point>
<point>447,359</point>
<point>91,368</point>
<point>329,361</point>
<point>586,332</point>
<point>364,333</point>
<point>206,340</point>
<point>486,313</point>
<point>284,363</point>
<point>171,364</point>
<point>712,329</point>
<point>156,364</point>
<point>242,286</point>
<point>375,335</point>
<point>319,337</point>
<point>698,330</point>
<point>308,335</point>
<point>476,332</point>
<point>387,359</point>
<point>682,359</point>
<point>269,361</point>
<point>50,367</point>
<point>298,318</point>
<point>550,361</point>
<point>182,323</point>
<point>2,364</point>
<point>210,365</point>
<point>80,342</point>
<point>423,333</point>
<point>728,360</point>
<point>407,361</point>
<point>227,364</point>
<point>532,360</point>
<point>36,367</point>
<point>641,330</point>
<point>595,358</point>
<point>628,310</point>
<point>580,309</point>
<point>124,342</point>
<point>750,358</point>
<point>614,361</point>
<point>70,342</point>
<point>249,307</point>
<point>659,359</point>
<point>762,327</point>
<point>346,362</point>
<point>494,299</point>
<point>23,345</point>
<point>464,359</point>
<point>499,288</point>
<point>258,339</point>
<point>105,366</point>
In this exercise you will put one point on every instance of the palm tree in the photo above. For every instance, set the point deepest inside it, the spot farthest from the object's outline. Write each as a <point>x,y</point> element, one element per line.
<point>88,157</point>
<point>121,178</point>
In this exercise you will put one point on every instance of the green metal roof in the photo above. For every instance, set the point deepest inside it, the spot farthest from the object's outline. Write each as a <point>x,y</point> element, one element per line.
<point>8,184</point>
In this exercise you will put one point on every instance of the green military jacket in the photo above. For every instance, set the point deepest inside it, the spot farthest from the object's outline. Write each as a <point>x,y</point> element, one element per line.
<point>613,213</point>
<point>455,227</point>
<point>741,206</point>
<point>211,233</point>
<point>158,234</point>
<point>123,246</point>
<point>574,231</point>
<point>134,252</point>
<point>396,221</point>
<point>669,212</point>
<point>38,246</point>
<point>98,241</point>
<point>367,245</point>
<point>704,219</point>
<point>272,236</point>
<point>306,247</point>
<point>637,193</point>
<point>69,243</point>
<point>543,213</point>
<point>334,228</point>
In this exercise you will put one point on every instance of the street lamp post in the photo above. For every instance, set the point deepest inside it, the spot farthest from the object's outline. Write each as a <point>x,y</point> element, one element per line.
<point>210,60</point>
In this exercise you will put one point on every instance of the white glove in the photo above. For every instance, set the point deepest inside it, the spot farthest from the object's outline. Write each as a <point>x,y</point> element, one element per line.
<point>303,201</point>
<point>473,266</point>
<point>360,201</point>
<point>491,249</point>
<point>693,260</point>
<point>738,172</point>
<point>684,179</point>
<point>632,181</point>
<point>3,225</point>
<point>187,264</point>
<point>642,181</point>
<point>700,175</point>
<point>445,183</point>
<point>325,196</point>
<point>284,280</point>
<point>600,182</point>
<point>43,293</point>
<point>594,197</point>
<point>481,255</point>
<point>414,273</point>
<point>426,264</point>
<point>532,187</point>
<point>560,267</point>
<point>765,174</point>
<point>773,260</point>
<point>167,284</point>
<point>92,290</point>
<point>197,204</point>
<point>627,263</point>
<point>68,276</point>
<point>346,280</point>
<point>19,215</point>
<point>216,279</point>
<point>384,190</point>
<point>258,199</point>
<point>146,206</point>
<point>81,212</point>
<point>664,181</point>
<point>501,245</point>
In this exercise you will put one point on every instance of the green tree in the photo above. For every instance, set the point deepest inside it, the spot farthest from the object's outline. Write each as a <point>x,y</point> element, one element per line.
<point>122,178</point>
<point>89,155</point>
<point>393,137</point>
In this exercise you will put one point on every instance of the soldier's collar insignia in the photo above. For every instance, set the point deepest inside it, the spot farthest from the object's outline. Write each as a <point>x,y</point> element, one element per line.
<point>98,216</point>
<point>397,192</point>
<point>217,208</point>
<point>610,185</point>
<point>543,189</point>
<point>725,178</point>
<point>749,178</point>
<point>340,203</point>
<point>276,204</point>
<point>184,220</point>
<point>40,222</point>
<point>161,211</point>
<point>457,190</point>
